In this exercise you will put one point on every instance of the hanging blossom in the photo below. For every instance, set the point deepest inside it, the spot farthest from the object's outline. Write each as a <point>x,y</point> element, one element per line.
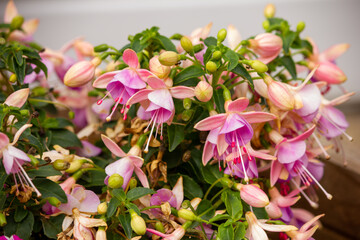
<point>126,165</point>
<point>14,158</point>
<point>306,231</point>
<point>123,84</point>
<point>158,104</point>
<point>235,131</point>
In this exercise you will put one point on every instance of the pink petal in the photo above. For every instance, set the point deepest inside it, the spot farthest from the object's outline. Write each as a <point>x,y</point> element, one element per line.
<point>18,98</point>
<point>178,191</point>
<point>287,201</point>
<point>303,136</point>
<point>233,36</point>
<point>341,99</point>
<point>222,145</point>
<point>139,96</point>
<point>182,92</point>
<point>130,58</point>
<point>88,150</point>
<point>275,172</point>
<point>137,161</point>
<point>208,152</point>
<point>70,205</point>
<point>156,83</point>
<point>314,46</point>
<point>30,26</point>
<point>211,122</point>
<point>334,52</point>
<point>90,203</point>
<point>8,161</point>
<point>311,222</point>
<point>4,140</point>
<point>10,12</point>
<point>276,228</point>
<point>144,74</point>
<point>258,154</point>
<point>112,146</point>
<point>290,152</point>
<point>142,177</point>
<point>103,80</point>
<point>17,153</point>
<point>257,117</point>
<point>311,98</point>
<point>162,98</point>
<point>238,105</point>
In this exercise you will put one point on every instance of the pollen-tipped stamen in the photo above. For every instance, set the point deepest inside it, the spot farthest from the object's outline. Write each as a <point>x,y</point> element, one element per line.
<point>327,156</point>
<point>311,202</point>
<point>328,195</point>
<point>28,179</point>
<point>338,128</point>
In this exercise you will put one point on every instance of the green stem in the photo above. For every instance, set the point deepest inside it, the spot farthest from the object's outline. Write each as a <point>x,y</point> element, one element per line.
<point>209,189</point>
<point>50,102</point>
<point>217,194</point>
<point>151,207</point>
<point>218,203</point>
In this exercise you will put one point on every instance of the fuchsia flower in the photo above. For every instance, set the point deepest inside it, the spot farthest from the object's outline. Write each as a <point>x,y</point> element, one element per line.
<point>235,130</point>
<point>18,98</point>
<point>267,45</point>
<point>159,103</point>
<point>175,235</point>
<point>305,232</point>
<point>88,149</point>
<point>121,85</point>
<point>13,237</point>
<point>14,158</point>
<point>328,71</point>
<point>126,165</point>
<point>278,201</point>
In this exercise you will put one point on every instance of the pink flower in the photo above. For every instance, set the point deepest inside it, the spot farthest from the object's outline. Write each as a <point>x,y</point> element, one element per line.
<point>88,150</point>
<point>233,37</point>
<point>305,232</point>
<point>13,237</point>
<point>267,45</point>
<point>175,235</point>
<point>159,103</point>
<point>253,195</point>
<point>126,165</point>
<point>81,73</point>
<point>13,158</point>
<point>278,201</point>
<point>17,98</point>
<point>235,129</point>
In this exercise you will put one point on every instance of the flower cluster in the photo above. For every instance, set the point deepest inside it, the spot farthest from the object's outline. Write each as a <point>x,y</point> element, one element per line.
<point>191,136</point>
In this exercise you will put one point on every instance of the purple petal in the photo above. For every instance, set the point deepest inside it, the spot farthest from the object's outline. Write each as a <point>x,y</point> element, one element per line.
<point>70,205</point>
<point>130,79</point>
<point>290,152</point>
<point>90,202</point>
<point>162,98</point>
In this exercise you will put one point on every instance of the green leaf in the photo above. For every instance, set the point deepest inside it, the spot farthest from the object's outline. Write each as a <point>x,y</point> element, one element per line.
<point>210,41</point>
<point>193,71</point>
<point>22,229</point>
<point>52,226</point>
<point>275,24</point>
<point>94,178</point>
<point>3,177</point>
<point>205,205</point>
<point>208,53</point>
<point>56,123</point>
<point>212,173</point>
<point>40,65</point>
<point>19,58</point>
<point>191,188</point>
<point>240,230</point>
<point>2,199</point>
<point>125,223</point>
<point>226,232</point>
<point>166,43</point>
<point>49,188</point>
<point>219,100</point>
<point>138,192</point>
<point>176,135</point>
<point>20,213</point>
<point>44,171</point>
<point>232,58</point>
<point>20,71</point>
<point>119,194</point>
<point>65,138</point>
<point>133,207</point>
<point>113,204</point>
<point>288,39</point>
<point>219,217</point>
<point>34,142</point>
<point>241,70</point>
<point>233,204</point>
<point>289,64</point>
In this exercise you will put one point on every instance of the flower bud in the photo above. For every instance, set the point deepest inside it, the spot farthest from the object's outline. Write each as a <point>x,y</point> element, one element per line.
<point>176,36</point>
<point>33,160</point>
<point>101,234</point>
<point>132,183</point>
<point>79,74</point>
<point>74,165</point>
<point>158,69</point>
<point>203,91</point>
<point>101,48</point>
<point>186,204</point>
<point>216,55</point>
<point>115,181</point>
<point>169,58</point>
<point>226,182</point>
<point>24,112</point>
<point>211,66</point>
<point>13,78</point>
<point>330,73</point>
<point>253,195</point>
<point>187,103</point>
<point>266,24</point>
<point>273,211</point>
<point>186,44</point>
<point>102,208</point>
<point>300,27</point>
<point>267,45</point>
<point>159,227</point>
<point>198,47</point>
<point>54,201</point>
<point>3,221</point>
<point>86,49</point>
<point>71,114</point>
<point>187,114</point>
<point>221,35</point>
<point>137,223</point>
<point>187,215</point>
<point>269,10</point>
<point>261,87</point>
<point>280,94</point>
<point>61,165</point>
<point>16,22</point>
<point>258,66</point>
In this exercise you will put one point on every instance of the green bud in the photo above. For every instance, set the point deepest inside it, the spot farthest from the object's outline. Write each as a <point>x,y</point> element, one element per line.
<point>185,204</point>
<point>187,215</point>
<point>33,160</point>
<point>284,26</point>
<point>176,36</point>
<point>226,182</point>
<point>24,112</point>
<point>300,27</point>
<point>258,66</point>
<point>93,93</point>
<point>221,35</point>
<point>187,45</point>
<point>13,78</point>
<point>61,165</point>
<point>101,48</point>
<point>39,91</point>
<point>2,41</point>
<point>133,183</point>
<point>115,181</point>
<point>198,47</point>
<point>216,55</point>
<point>269,10</point>
<point>54,201</point>
<point>187,114</point>
<point>211,66</point>
<point>16,22</point>
<point>74,165</point>
<point>227,94</point>
<point>169,58</point>
<point>36,46</point>
<point>266,24</point>
<point>137,223</point>
<point>159,227</point>
<point>71,115</point>
<point>102,208</point>
<point>187,103</point>
<point>2,220</point>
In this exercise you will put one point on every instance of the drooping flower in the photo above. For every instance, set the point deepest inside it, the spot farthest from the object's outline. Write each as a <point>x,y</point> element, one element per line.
<point>278,201</point>
<point>267,45</point>
<point>127,164</point>
<point>235,129</point>
<point>305,232</point>
<point>175,235</point>
<point>159,103</point>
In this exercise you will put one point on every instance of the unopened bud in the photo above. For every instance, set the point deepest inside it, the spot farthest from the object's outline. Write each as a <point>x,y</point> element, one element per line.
<point>203,91</point>
<point>16,22</point>
<point>101,48</point>
<point>198,47</point>
<point>226,182</point>
<point>71,114</point>
<point>187,114</point>
<point>216,55</point>
<point>269,10</point>
<point>221,35</point>
<point>13,78</point>
<point>280,94</point>
<point>159,227</point>
<point>187,215</point>
<point>79,74</point>
<point>86,49</point>
<point>102,208</point>
<point>159,69</point>
<point>252,195</point>
<point>258,66</point>
<point>176,36</point>
<point>300,27</point>
<point>75,165</point>
<point>187,103</point>
<point>186,204</point>
<point>115,181</point>
<point>273,211</point>
<point>100,234</point>
<point>61,165</point>
<point>54,201</point>
<point>266,24</point>
<point>137,223</point>
<point>24,112</point>
<point>132,183</point>
<point>3,221</point>
<point>169,58</point>
<point>34,161</point>
<point>187,45</point>
<point>211,66</point>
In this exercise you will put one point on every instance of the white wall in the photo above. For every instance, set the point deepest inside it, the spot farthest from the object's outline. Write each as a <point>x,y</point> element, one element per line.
<point>110,21</point>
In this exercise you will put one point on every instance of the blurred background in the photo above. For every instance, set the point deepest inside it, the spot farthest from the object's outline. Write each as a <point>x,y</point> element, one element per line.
<point>328,22</point>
